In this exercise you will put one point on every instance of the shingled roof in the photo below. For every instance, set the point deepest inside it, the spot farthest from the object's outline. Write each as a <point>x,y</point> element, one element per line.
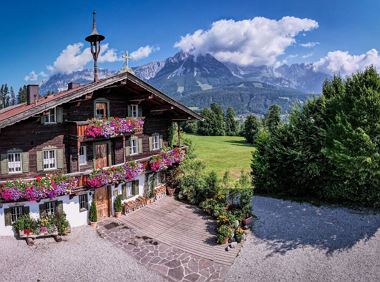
<point>17,113</point>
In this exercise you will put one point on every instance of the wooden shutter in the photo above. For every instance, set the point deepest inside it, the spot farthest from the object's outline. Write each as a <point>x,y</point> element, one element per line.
<point>127,147</point>
<point>150,143</point>
<point>25,162</point>
<point>86,201</point>
<point>59,207</point>
<point>8,216</point>
<point>139,109</point>
<point>4,164</point>
<point>59,112</point>
<point>40,161</point>
<point>129,111</point>
<point>42,210</point>
<point>161,141</point>
<point>25,210</point>
<point>60,161</point>
<point>140,148</point>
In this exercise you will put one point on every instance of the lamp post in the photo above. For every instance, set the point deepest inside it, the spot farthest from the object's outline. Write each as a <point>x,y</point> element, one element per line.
<point>95,38</point>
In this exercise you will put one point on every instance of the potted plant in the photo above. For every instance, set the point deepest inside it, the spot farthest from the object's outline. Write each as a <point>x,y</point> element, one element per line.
<point>239,234</point>
<point>117,206</point>
<point>224,234</point>
<point>248,219</point>
<point>93,216</point>
<point>170,191</point>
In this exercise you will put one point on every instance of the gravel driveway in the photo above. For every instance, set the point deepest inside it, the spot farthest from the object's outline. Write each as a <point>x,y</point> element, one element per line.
<point>301,242</point>
<point>83,256</point>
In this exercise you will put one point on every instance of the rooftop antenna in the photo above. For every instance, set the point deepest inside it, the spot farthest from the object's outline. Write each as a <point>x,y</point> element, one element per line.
<point>95,38</point>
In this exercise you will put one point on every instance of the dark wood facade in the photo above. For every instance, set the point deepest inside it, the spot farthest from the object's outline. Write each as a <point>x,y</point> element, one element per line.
<point>31,136</point>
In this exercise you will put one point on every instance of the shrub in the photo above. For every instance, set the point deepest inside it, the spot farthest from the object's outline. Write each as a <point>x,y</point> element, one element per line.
<point>93,215</point>
<point>61,223</point>
<point>117,204</point>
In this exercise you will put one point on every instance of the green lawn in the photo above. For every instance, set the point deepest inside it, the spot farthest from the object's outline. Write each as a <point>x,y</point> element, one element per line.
<point>222,153</point>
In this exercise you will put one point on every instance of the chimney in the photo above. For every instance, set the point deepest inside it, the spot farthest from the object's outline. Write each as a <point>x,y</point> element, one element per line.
<point>32,93</point>
<point>73,85</point>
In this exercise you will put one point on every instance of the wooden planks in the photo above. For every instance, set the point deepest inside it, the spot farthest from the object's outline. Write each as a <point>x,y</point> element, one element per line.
<point>182,226</point>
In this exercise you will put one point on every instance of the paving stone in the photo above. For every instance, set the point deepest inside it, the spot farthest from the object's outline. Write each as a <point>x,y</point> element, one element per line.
<point>192,277</point>
<point>173,264</point>
<point>177,273</point>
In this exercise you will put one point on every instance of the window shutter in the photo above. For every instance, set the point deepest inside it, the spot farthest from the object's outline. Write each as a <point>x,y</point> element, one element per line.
<point>59,207</point>
<point>25,162</point>
<point>139,111</point>
<point>129,111</point>
<point>135,187</point>
<point>127,147</point>
<point>8,216</point>
<point>60,162</point>
<point>40,164</point>
<point>25,210</point>
<point>161,141</point>
<point>4,163</point>
<point>42,210</point>
<point>59,112</point>
<point>150,143</point>
<point>140,146</point>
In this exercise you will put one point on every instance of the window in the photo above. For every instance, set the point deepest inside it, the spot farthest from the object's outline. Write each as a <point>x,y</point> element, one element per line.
<point>134,146</point>
<point>14,163</point>
<point>49,159</point>
<point>134,111</point>
<point>83,202</point>
<point>50,208</point>
<point>16,213</point>
<point>50,116</point>
<point>83,155</point>
<point>156,142</point>
<point>132,188</point>
<point>101,110</point>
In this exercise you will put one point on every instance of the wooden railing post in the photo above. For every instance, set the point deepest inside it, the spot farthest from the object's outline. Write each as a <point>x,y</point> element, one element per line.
<point>179,135</point>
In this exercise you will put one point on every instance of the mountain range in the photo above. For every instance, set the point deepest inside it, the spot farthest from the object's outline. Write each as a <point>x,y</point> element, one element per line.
<point>199,80</point>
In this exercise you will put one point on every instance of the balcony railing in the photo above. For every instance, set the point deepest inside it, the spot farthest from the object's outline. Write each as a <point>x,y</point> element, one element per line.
<point>77,181</point>
<point>106,128</point>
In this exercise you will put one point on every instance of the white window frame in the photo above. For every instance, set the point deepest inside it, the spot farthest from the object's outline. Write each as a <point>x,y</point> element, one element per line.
<point>16,211</point>
<point>156,141</point>
<point>48,117</point>
<point>134,110</point>
<point>83,155</point>
<point>134,145</point>
<point>50,208</point>
<point>50,162</point>
<point>14,166</point>
<point>102,100</point>
<point>83,198</point>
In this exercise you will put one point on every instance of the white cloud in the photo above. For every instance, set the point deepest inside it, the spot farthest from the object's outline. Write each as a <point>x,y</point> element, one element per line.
<point>308,55</point>
<point>343,63</point>
<point>33,76</point>
<point>257,41</point>
<point>143,52</point>
<point>309,44</point>
<point>75,58</point>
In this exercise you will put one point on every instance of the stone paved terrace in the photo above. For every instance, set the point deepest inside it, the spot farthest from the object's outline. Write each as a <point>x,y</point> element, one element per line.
<point>173,239</point>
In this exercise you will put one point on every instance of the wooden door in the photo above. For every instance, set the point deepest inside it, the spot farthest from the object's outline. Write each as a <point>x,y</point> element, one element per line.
<point>102,201</point>
<point>101,155</point>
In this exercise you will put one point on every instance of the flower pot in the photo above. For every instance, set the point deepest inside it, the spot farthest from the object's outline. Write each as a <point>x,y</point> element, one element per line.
<point>117,214</point>
<point>248,220</point>
<point>170,191</point>
<point>225,241</point>
<point>93,224</point>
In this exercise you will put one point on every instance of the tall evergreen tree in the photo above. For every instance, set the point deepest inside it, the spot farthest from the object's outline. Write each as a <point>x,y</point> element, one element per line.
<point>251,128</point>
<point>21,96</point>
<point>219,126</point>
<point>232,125</point>
<point>273,118</point>
<point>12,95</point>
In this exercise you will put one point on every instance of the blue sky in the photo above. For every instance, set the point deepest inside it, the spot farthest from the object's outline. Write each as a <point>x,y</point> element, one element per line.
<point>34,33</point>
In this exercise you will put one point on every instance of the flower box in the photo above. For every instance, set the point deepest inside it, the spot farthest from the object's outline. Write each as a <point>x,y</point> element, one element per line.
<point>112,127</point>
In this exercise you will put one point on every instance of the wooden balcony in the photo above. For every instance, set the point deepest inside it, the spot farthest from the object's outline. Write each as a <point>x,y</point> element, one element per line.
<point>79,130</point>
